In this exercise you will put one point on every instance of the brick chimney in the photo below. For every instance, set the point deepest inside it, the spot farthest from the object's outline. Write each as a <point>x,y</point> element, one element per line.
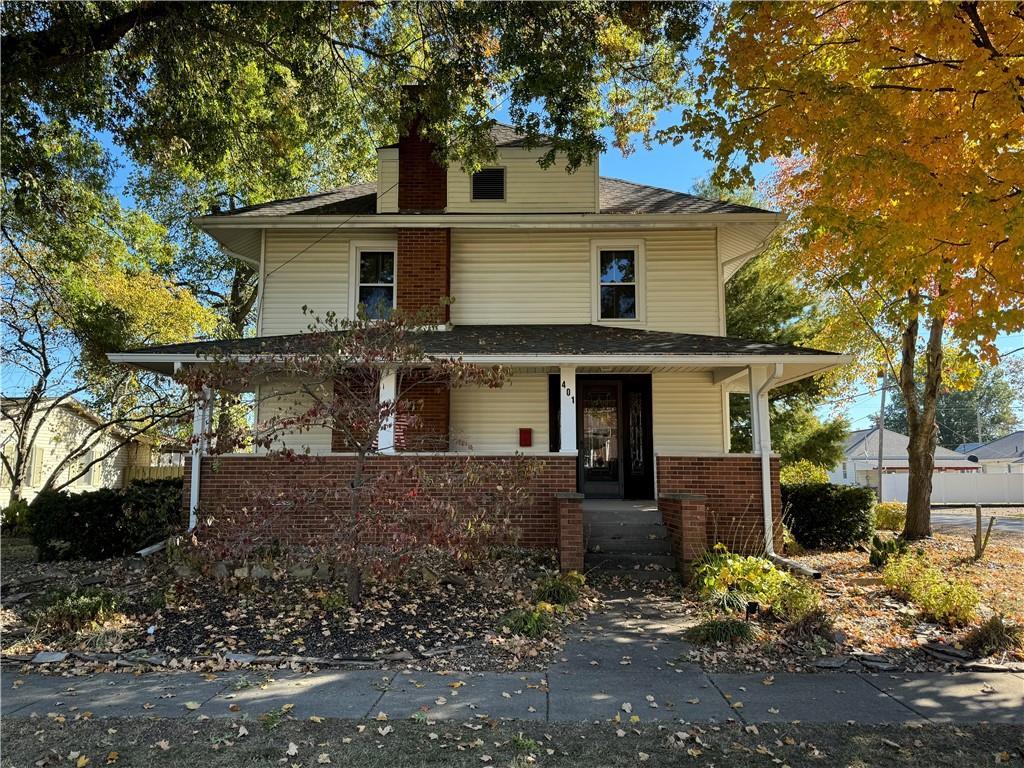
<point>422,181</point>
<point>424,254</point>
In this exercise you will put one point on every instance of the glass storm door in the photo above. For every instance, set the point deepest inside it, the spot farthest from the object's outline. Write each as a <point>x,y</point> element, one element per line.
<point>601,439</point>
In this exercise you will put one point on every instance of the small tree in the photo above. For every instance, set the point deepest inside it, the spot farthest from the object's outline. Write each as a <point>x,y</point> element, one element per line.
<point>57,321</point>
<point>336,373</point>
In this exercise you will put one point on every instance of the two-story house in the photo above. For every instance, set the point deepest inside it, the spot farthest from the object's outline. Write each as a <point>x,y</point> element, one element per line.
<point>604,297</point>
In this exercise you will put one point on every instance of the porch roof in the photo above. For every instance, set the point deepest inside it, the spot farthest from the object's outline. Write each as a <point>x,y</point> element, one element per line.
<point>584,345</point>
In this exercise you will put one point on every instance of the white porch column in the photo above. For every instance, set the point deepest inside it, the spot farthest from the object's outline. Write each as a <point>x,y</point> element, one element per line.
<point>567,409</point>
<point>756,376</point>
<point>201,420</point>
<point>388,393</point>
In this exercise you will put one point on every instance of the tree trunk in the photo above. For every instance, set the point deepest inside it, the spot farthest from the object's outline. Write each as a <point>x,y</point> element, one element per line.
<point>922,430</point>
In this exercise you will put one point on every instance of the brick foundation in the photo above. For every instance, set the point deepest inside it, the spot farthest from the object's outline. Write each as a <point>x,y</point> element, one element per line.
<point>732,487</point>
<point>229,483</point>
<point>570,531</point>
<point>424,272</point>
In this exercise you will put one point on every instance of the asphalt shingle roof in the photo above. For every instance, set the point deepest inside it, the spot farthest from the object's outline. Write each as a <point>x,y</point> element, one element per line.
<point>617,196</point>
<point>863,444</point>
<point>517,339</point>
<point>1009,446</point>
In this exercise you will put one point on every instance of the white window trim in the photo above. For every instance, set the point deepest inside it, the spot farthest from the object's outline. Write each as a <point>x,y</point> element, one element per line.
<point>640,275</point>
<point>504,187</point>
<point>355,248</point>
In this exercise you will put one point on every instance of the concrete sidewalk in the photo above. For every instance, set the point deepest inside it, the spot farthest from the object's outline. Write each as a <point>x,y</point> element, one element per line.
<point>622,661</point>
<point>683,694</point>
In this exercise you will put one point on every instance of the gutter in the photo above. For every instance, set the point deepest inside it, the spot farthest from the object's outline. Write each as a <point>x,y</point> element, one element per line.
<point>486,220</point>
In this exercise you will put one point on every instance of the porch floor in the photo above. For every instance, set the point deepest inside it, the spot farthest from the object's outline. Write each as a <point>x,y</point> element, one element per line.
<point>618,505</point>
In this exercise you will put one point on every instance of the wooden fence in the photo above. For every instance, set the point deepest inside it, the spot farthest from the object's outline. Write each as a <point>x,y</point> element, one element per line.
<point>130,473</point>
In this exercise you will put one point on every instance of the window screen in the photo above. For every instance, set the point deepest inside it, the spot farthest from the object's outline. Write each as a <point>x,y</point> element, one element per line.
<point>489,184</point>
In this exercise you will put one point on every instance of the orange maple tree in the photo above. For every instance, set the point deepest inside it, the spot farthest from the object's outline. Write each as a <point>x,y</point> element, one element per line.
<point>897,133</point>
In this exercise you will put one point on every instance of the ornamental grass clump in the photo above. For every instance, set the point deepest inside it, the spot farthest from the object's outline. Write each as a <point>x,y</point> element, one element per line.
<point>952,602</point>
<point>563,589</point>
<point>995,635</point>
<point>720,631</point>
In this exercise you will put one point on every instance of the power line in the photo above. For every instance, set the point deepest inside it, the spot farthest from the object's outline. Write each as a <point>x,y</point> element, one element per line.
<point>319,240</point>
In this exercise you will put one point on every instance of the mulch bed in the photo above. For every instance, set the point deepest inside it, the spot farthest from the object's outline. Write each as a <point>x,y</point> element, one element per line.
<point>437,619</point>
<point>872,630</point>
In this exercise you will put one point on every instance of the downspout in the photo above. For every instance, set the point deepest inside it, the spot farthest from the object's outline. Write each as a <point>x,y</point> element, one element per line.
<point>764,448</point>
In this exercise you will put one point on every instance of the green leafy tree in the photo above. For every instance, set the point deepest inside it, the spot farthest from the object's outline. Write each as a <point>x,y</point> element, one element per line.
<point>959,413</point>
<point>896,132</point>
<point>763,304</point>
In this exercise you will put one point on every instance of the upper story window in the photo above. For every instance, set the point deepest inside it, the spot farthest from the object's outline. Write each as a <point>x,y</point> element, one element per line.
<point>377,282</point>
<point>489,184</point>
<point>618,274</point>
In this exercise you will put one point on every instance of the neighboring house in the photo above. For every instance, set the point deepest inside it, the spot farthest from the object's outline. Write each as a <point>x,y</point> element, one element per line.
<point>998,456</point>
<point>604,297</point>
<point>66,428</point>
<point>860,458</point>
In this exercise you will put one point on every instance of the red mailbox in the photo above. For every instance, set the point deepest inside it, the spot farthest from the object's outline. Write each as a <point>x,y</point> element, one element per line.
<point>525,437</point>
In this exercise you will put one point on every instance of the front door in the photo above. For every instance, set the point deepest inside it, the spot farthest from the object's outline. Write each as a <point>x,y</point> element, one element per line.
<point>600,439</point>
<point>615,438</point>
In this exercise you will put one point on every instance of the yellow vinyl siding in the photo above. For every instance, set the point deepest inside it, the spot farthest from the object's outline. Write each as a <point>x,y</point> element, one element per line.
<point>528,187</point>
<point>280,400</point>
<point>488,420</point>
<point>682,281</point>
<point>516,276</point>
<point>520,277</point>
<point>387,181</point>
<point>317,278</point>
<point>687,414</point>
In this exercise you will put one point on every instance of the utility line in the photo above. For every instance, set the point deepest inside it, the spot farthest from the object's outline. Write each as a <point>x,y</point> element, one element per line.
<point>327,234</point>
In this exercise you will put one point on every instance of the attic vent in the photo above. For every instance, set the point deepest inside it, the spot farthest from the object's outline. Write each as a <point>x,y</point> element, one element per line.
<point>489,184</point>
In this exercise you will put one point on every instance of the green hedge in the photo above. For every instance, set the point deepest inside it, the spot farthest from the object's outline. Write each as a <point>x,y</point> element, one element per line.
<point>106,522</point>
<point>827,516</point>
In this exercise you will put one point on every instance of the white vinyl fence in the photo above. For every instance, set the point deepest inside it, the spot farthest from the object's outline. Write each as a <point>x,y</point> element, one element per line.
<point>961,488</point>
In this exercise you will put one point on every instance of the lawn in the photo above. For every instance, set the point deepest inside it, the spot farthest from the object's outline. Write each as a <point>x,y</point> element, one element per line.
<point>435,615</point>
<point>223,743</point>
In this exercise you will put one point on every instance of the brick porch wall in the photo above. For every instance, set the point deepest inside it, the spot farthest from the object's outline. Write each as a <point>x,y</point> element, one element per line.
<point>432,406</point>
<point>424,272</point>
<point>228,483</point>
<point>732,487</point>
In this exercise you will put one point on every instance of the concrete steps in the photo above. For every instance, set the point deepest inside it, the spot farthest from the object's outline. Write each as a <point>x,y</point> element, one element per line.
<point>627,538</point>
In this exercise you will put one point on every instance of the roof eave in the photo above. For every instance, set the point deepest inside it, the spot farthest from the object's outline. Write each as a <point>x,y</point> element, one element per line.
<point>485,220</point>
